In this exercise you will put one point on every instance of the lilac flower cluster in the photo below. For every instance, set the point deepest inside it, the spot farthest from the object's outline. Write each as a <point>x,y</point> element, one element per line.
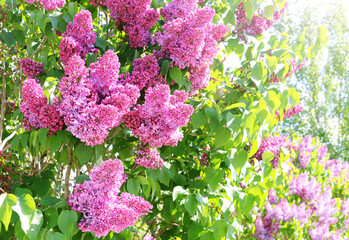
<point>190,39</point>
<point>158,120</point>
<point>37,113</point>
<point>307,190</point>
<point>316,207</point>
<point>149,158</point>
<point>305,149</point>
<point>137,18</point>
<point>104,208</point>
<point>293,68</point>
<point>145,73</point>
<point>272,144</point>
<point>93,106</point>
<point>78,39</point>
<point>258,23</point>
<point>293,111</point>
<point>31,68</point>
<point>49,4</point>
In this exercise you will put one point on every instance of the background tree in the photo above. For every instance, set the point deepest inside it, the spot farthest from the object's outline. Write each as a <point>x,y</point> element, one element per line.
<point>322,82</point>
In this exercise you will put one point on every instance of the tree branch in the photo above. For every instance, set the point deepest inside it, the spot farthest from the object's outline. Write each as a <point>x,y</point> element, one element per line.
<point>67,173</point>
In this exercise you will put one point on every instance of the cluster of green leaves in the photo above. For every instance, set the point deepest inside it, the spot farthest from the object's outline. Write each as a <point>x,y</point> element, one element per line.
<point>191,198</point>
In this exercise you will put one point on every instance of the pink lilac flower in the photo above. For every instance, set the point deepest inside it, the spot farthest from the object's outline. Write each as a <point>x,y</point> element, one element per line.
<point>158,120</point>
<point>31,68</point>
<point>305,149</point>
<point>284,212</point>
<point>325,207</point>
<point>136,17</point>
<point>93,106</point>
<point>98,199</point>
<point>293,111</point>
<point>146,72</point>
<point>272,144</point>
<point>178,9</point>
<point>272,196</point>
<point>190,39</point>
<point>307,190</point>
<point>322,152</point>
<point>78,39</point>
<point>258,23</point>
<point>49,4</point>
<point>50,118</point>
<point>265,228</point>
<point>149,158</point>
<point>336,235</point>
<point>148,237</point>
<point>293,68</point>
<point>345,207</point>
<point>320,232</point>
<point>33,100</point>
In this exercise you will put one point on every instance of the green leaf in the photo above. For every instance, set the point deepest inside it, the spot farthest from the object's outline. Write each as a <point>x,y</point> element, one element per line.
<point>267,156</point>
<point>249,122</point>
<point>164,67</point>
<point>213,177</point>
<point>8,38</point>
<point>222,136</point>
<point>175,74</point>
<point>220,229</point>
<point>233,4</point>
<point>26,203</point>
<point>133,185</point>
<point>73,8</point>
<point>84,153</point>
<point>258,71</point>
<point>165,176</point>
<point>269,12</point>
<point>67,222</point>
<point>101,43</point>
<point>42,134</point>
<point>82,178</point>
<point>54,21</point>
<point>239,160</point>
<point>6,202</point>
<point>198,119</point>
<point>249,9</point>
<point>271,62</point>
<point>51,217</point>
<point>35,225</point>
<point>41,20</point>
<point>236,105</point>
<point>191,205</point>
<point>41,186</point>
<point>55,236</point>
<point>49,200</point>
<point>246,203</point>
<point>19,36</point>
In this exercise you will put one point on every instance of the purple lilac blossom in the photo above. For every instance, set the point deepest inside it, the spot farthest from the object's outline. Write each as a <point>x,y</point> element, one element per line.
<point>258,23</point>
<point>49,4</point>
<point>190,39</point>
<point>104,208</point>
<point>78,39</point>
<point>158,120</point>
<point>305,149</point>
<point>136,17</point>
<point>31,68</point>
<point>149,158</point>
<point>272,144</point>
<point>93,106</point>
<point>307,190</point>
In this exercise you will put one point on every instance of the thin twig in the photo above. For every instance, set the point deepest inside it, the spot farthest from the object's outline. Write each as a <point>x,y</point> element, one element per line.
<point>67,173</point>
<point>3,99</point>
<point>40,46</point>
